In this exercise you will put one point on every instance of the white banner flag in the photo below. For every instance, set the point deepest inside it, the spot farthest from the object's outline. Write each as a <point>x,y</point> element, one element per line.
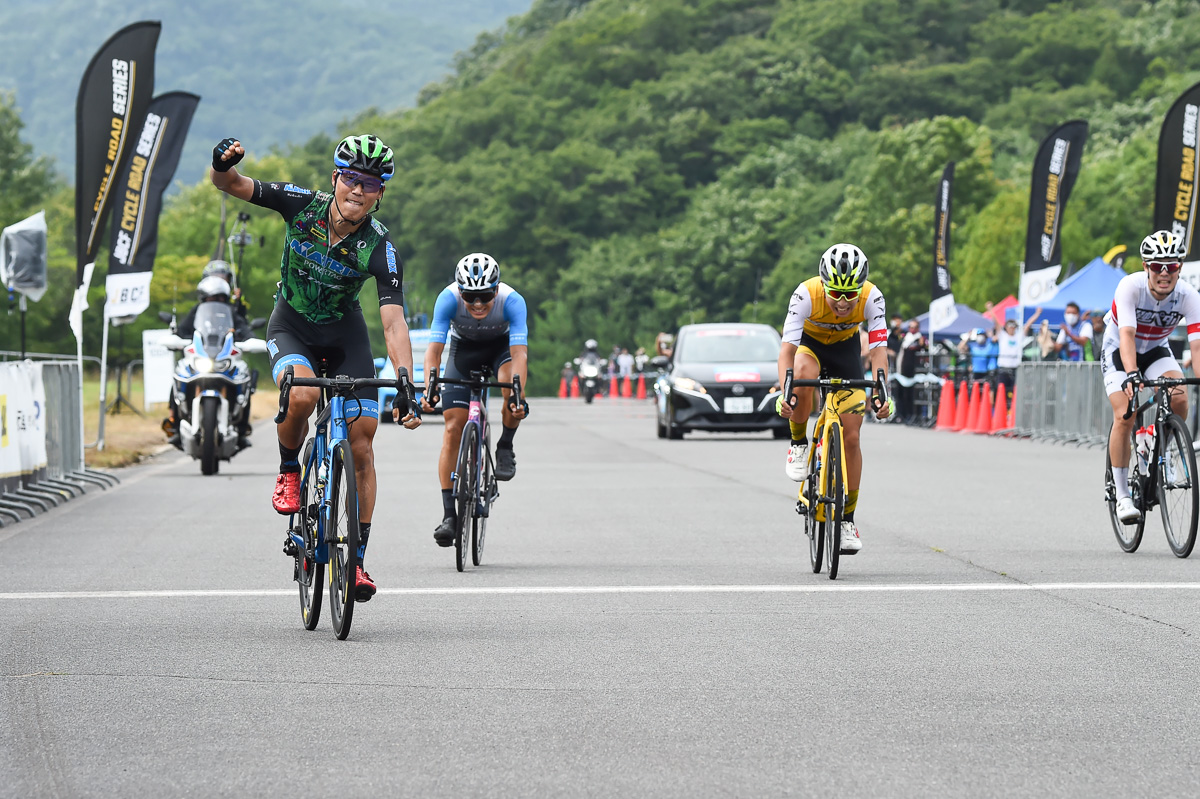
<point>1040,286</point>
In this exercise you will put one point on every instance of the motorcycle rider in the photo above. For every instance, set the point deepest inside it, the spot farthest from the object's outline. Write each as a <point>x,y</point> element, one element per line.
<point>590,353</point>
<point>211,288</point>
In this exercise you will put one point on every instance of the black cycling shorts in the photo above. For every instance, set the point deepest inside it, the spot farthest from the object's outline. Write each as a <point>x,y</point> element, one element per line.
<point>470,356</point>
<point>344,346</point>
<point>841,359</point>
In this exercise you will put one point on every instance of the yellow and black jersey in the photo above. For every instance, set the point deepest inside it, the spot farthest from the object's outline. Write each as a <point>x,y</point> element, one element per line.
<point>809,314</point>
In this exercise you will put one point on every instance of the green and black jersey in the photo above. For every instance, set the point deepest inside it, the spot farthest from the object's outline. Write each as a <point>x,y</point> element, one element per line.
<point>321,282</point>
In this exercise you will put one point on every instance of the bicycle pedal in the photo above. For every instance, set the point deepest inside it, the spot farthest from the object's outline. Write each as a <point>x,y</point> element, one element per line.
<point>289,548</point>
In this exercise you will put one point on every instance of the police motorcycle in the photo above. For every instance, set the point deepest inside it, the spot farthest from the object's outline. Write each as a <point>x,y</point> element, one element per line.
<point>589,367</point>
<point>212,385</point>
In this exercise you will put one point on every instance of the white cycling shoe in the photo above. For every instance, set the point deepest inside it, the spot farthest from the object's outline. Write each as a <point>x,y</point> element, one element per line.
<point>851,541</point>
<point>796,467</point>
<point>1127,512</point>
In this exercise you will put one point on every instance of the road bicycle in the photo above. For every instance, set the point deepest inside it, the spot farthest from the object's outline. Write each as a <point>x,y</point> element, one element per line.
<point>1162,471</point>
<point>822,496</point>
<point>325,532</point>
<point>474,481</point>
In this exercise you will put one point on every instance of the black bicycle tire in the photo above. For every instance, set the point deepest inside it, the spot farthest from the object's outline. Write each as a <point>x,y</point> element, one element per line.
<point>311,595</point>
<point>466,471</point>
<point>343,557</point>
<point>1174,427</point>
<point>479,527</point>
<point>833,513</point>
<point>210,463</point>
<point>814,529</point>
<point>1126,543</point>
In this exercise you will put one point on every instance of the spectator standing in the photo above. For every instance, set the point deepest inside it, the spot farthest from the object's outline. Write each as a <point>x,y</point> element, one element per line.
<point>640,359</point>
<point>625,364</point>
<point>895,336</point>
<point>613,366</point>
<point>983,353</point>
<point>1009,347</point>
<point>1045,341</point>
<point>1075,337</point>
<point>664,344</point>
<point>906,369</point>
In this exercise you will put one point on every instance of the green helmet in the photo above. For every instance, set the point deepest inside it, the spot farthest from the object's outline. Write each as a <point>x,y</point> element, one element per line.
<point>366,154</point>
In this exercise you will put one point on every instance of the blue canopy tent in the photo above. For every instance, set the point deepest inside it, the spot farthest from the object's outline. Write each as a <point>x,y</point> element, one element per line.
<point>968,319</point>
<point>1091,288</point>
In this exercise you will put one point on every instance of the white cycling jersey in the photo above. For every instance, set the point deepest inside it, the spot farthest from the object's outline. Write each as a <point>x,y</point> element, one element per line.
<point>1134,306</point>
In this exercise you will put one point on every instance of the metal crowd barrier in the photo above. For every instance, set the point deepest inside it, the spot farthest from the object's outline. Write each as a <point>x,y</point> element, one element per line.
<point>66,476</point>
<point>1062,401</point>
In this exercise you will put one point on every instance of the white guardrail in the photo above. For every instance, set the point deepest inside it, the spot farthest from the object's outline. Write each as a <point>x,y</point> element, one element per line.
<point>41,439</point>
<point>1063,401</point>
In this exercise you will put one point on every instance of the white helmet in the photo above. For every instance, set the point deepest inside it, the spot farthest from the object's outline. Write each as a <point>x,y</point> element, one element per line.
<point>1162,245</point>
<point>844,268</point>
<point>477,272</point>
<point>212,286</point>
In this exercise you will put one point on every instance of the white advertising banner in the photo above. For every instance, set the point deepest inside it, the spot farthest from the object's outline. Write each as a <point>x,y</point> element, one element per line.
<point>22,424</point>
<point>1039,287</point>
<point>158,365</point>
<point>943,312</point>
<point>128,294</point>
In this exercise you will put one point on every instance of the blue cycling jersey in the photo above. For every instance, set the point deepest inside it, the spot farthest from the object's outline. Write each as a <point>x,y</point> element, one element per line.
<point>507,317</point>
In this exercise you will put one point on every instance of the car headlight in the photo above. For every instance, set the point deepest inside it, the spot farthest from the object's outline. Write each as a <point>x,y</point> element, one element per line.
<point>204,364</point>
<point>688,384</point>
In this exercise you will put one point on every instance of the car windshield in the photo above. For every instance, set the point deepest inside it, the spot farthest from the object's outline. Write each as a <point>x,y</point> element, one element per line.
<point>728,345</point>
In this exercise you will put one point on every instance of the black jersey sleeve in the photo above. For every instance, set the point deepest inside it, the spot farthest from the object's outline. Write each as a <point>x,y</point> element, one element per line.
<point>388,270</point>
<point>286,198</point>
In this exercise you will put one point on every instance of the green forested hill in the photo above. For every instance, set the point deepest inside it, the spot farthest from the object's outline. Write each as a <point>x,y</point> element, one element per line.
<point>273,72</point>
<point>635,165</point>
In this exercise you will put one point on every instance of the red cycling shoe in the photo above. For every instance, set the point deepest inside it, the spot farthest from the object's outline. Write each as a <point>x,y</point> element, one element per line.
<point>287,493</point>
<point>364,586</point>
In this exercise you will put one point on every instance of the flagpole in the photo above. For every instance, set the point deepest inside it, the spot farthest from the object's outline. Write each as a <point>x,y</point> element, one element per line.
<point>103,384</point>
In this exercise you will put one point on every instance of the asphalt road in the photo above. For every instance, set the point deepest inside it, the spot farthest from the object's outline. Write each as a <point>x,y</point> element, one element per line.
<point>645,624</point>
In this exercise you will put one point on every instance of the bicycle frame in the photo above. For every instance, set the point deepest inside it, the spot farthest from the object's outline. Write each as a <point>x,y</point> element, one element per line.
<point>332,427</point>
<point>1163,389</point>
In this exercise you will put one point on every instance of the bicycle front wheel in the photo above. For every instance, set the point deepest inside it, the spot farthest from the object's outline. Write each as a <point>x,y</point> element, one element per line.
<point>467,471</point>
<point>1177,486</point>
<point>341,538</point>
<point>834,490</point>
<point>487,493</point>
<point>310,574</point>
<point>1129,536</point>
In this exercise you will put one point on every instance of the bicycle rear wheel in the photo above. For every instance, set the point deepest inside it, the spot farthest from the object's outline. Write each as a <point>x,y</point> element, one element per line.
<point>465,495</point>
<point>310,574</point>
<point>1177,486</point>
<point>1129,536</point>
<point>341,538</point>
<point>834,490</point>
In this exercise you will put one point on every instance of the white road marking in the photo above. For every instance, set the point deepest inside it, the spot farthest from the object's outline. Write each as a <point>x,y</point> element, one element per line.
<point>621,589</point>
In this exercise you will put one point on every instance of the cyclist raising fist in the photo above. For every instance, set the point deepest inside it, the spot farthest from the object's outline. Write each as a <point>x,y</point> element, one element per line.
<point>332,246</point>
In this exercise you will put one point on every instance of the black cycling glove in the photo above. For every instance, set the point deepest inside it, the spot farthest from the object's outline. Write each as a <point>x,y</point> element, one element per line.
<point>220,150</point>
<point>406,401</point>
<point>1133,379</point>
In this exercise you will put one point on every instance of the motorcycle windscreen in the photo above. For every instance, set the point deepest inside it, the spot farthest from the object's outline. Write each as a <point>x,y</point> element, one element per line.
<point>214,328</point>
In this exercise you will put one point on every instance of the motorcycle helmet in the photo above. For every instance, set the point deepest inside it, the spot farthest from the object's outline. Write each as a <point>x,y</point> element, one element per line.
<point>477,272</point>
<point>220,269</point>
<point>590,345</point>
<point>213,288</point>
<point>843,267</point>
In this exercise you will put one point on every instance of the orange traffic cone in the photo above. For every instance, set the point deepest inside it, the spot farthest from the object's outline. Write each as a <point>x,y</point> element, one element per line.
<point>983,422</point>
<point>562,388</point>
<point>962,406</point>
<point>641,389</point>
<point>945,416</point>
<point>613,391</point>
<point>575,387</point>
<point>626,388</point>
<point>1000,413</point>
<point>972,410</point>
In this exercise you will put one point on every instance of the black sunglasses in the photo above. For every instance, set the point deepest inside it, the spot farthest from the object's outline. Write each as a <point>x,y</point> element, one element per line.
<point>478,297</point>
